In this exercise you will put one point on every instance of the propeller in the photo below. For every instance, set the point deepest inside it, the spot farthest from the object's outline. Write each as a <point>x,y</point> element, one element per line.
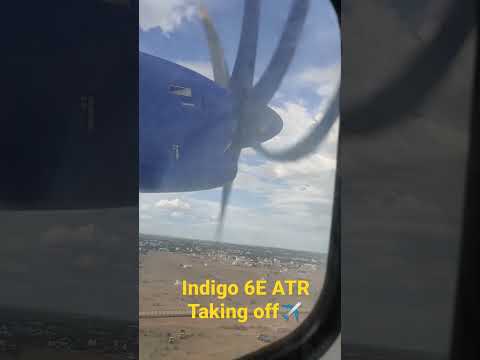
<point>254,118</point>
<point>217,58</point>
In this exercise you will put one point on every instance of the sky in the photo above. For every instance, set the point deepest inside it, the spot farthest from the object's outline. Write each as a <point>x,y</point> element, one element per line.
<point>285,205</point>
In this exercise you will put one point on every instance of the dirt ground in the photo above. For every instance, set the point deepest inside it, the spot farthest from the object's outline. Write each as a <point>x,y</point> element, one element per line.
<point>201,339</point>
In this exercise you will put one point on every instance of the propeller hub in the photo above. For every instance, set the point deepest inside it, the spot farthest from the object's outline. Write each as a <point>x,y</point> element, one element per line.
<point>258,124</point>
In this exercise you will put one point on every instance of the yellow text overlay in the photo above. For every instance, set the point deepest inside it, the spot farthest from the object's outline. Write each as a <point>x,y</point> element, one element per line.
<point>221,291</point>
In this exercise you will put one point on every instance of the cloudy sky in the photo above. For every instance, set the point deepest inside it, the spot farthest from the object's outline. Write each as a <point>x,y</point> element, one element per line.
<point>273,204</point>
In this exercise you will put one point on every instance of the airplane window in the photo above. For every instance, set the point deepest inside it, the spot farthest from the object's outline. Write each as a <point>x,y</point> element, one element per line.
<point>234,234</point>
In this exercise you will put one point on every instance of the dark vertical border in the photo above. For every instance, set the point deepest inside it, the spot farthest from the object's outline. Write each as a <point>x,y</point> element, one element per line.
<point>466,341</point>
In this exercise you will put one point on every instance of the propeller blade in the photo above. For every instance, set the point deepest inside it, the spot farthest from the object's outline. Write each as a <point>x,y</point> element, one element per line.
<point>272,77</point>
<point>310,142</point>
<point>217,57</point>
<point>244,68</point>
<point>226,190</point>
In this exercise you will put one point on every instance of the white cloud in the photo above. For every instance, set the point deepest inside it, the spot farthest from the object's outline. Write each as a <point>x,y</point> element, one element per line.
<point>324,79</point>
<point>253,178</point>
<point>166,206</point>
<point>166,14</point>
<point>175,204</point>
<point>176,214</point>
<point>308,167</point>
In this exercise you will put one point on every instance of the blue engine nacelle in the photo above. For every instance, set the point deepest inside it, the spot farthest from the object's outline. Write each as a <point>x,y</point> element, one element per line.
<point>186,128</point>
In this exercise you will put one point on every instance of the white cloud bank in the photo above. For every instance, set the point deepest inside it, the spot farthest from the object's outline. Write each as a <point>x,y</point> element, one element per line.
<point>323,79</point>
<point>174,204</point>
<point>166,14</point>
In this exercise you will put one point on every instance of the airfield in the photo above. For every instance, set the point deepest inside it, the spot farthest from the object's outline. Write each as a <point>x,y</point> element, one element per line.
<point>167,330</point>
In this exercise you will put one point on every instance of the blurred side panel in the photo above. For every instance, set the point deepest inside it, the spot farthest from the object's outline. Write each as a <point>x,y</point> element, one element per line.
<point>407,81</point>
<point>69,179</point>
